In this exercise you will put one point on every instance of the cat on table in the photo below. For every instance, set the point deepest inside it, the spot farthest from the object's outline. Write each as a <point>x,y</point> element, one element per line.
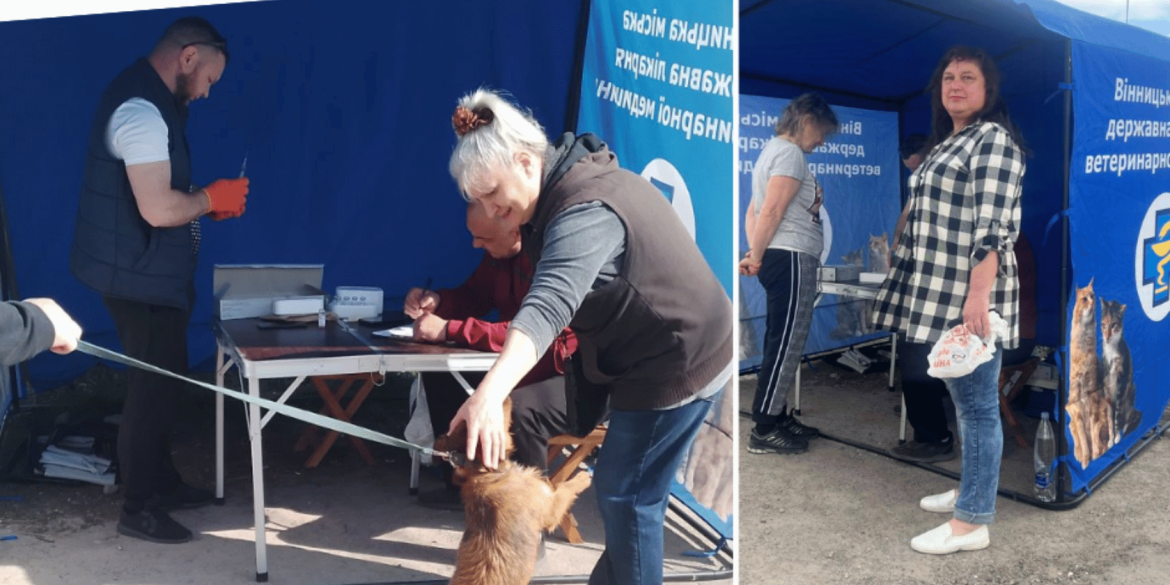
<point>850,312</point>
<point>879,253</point>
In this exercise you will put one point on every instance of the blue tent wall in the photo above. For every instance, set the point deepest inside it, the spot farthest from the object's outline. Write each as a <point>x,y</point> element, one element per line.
<point>1119,218</point>
<point>343,108</point>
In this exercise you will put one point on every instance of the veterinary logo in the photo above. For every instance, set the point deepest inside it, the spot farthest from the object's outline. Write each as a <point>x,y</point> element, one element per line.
<point>667,179</point>
<point>1152,259</point>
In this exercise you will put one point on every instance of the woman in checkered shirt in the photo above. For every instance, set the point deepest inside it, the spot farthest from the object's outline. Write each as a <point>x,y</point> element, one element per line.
<point>953,263</point>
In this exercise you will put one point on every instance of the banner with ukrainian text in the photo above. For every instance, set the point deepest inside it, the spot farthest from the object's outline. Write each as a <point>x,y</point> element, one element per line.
<point>1118,361</point>
<point>859,171</point>
<point>657,86</point>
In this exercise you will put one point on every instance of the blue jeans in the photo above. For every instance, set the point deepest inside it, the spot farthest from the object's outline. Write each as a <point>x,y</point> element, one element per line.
<point>976,398</point>
<point>638,460</point>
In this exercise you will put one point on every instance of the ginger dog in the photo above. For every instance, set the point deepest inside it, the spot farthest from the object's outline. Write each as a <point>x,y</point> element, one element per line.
<point>506,509</point>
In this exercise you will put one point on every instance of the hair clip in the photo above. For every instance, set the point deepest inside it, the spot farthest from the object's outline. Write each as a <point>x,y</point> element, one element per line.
<point>465,120</point>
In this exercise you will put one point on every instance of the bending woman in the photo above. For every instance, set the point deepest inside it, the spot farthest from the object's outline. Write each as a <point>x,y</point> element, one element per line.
<point>784,231</point>
<point>614,262</point>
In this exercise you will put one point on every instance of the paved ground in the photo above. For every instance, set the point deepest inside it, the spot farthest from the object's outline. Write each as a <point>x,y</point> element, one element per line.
<point>341,523</point>
<point>839,514</point>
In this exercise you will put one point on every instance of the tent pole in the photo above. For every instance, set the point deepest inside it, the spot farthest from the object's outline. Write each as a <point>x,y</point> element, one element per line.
<point>573,106</point>
<point>1062,447</point>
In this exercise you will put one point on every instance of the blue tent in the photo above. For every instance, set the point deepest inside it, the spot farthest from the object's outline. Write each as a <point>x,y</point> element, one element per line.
<point>1089,94</point>
<point>342,108</point>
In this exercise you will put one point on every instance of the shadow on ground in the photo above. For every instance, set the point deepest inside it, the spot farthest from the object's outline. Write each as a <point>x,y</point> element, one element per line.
<point>342,522</point>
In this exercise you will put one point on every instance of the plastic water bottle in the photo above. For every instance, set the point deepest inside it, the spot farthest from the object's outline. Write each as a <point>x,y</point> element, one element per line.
<point>1044,455</point>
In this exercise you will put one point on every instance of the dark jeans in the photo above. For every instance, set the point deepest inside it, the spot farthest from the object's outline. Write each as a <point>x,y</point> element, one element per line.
<point>924,394</point>
<point>637,461</point>
<point>538,412</point>
<point>158,336</point>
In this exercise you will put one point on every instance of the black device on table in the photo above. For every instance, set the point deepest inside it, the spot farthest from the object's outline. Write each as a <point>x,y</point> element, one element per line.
<point>386,319</point>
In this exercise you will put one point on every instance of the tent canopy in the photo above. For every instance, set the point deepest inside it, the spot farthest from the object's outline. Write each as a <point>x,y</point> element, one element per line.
<point>883,51</point>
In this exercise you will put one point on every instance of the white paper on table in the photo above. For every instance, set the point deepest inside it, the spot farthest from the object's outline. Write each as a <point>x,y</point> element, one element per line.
<point>400,332</point>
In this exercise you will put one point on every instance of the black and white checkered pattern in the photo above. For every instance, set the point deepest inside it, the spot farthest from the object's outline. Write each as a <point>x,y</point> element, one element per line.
<point>964,203</point>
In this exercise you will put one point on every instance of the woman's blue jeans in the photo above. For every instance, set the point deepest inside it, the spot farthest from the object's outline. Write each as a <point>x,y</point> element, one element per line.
<point>976,398</point>
<point>641,453</point>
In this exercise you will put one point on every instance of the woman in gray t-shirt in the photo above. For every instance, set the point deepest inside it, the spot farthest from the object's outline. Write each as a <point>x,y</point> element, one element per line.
<point>784,232</point>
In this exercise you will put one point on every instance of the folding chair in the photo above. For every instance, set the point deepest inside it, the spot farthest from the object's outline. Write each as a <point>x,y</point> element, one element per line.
<point>335,407</point>
<point>579,449</point>
<point>1011,381</point>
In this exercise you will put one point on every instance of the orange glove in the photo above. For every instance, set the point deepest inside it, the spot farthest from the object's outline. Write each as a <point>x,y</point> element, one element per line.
<point>226,198</point>
<point>222,215</point>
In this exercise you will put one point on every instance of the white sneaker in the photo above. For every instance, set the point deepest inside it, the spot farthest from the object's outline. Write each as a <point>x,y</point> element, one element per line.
<point>941,541</point>
<point>944,502</point>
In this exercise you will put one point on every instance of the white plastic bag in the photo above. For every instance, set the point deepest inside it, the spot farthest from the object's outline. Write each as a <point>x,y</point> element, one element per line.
<point>958,353</point>
<point>418,430</point>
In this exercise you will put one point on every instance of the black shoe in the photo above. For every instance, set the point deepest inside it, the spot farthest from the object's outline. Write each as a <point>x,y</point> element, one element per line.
<point>442,499</point>
<point>798,430</point>
<point>153,525</point>
<point>777,441</point>
<point>924,452</point>
<point>184,497</point>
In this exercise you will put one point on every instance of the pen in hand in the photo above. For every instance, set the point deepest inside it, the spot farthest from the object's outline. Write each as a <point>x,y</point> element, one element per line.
<point>244,167</point>
<point>426,289</point>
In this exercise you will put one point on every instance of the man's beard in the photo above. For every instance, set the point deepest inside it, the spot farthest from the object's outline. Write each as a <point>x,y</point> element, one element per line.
<point>182,88</point>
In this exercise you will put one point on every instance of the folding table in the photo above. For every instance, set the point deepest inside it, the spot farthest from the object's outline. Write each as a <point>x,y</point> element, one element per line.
<point>334,350</point>
<point>855,290</point>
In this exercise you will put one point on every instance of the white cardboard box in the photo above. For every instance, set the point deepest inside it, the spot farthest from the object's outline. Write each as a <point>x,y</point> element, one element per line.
<point>248,290</point>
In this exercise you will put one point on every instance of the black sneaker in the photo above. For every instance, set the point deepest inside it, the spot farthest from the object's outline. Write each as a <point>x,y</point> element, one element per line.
<point>442,499</point>
<point>154,525</point>
<point>924,452</point>
<point>184,497</point>
<point>777,441</point>
<point>798,430</point>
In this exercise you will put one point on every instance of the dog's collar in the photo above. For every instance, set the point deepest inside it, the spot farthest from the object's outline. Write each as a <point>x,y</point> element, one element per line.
<point>457,459</point>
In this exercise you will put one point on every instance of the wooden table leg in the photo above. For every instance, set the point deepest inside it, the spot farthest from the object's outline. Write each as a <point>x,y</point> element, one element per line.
<point>345,414</point>
<point>308,436</point>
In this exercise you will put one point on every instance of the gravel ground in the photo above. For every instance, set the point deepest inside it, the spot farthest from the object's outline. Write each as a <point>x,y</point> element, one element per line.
<point>838,514</point>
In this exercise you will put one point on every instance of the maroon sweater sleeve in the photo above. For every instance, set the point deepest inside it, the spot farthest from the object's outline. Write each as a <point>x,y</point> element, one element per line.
<point>462,305</point>
<point>473,297</point>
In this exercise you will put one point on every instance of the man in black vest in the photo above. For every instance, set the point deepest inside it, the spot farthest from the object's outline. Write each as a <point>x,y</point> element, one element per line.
<point>136,243</point>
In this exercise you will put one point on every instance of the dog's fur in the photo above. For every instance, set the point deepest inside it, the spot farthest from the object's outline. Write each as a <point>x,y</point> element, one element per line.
<point>506,509</point>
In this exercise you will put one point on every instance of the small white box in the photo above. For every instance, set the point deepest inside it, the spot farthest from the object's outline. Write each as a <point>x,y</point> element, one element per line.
<point>243,291</point>
<point>357,302</point>
<point>839,273</point>
<point>872,277</point>
<point>310,305</point>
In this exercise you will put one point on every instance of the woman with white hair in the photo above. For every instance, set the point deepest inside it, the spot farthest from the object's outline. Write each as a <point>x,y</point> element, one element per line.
<point>613,262</point>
